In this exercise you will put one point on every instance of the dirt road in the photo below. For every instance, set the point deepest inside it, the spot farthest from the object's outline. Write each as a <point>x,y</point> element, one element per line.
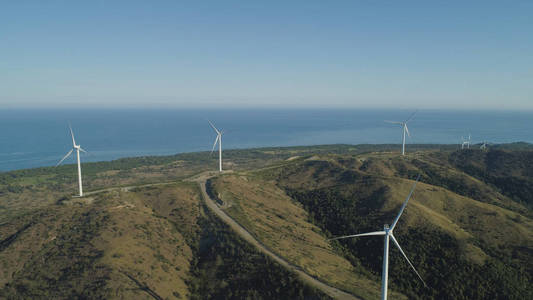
<point>327,289</point>
<point>241,231</point>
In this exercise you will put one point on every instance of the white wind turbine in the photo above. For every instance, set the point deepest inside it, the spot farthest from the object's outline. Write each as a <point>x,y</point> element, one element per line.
<point>466,142</point>
<point>219,141</point>
<point>78,149</point>
<point>388,233</point>
<point>405,130</point>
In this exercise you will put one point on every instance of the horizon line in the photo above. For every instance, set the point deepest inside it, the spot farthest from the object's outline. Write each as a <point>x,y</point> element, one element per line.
<point>288,108</point>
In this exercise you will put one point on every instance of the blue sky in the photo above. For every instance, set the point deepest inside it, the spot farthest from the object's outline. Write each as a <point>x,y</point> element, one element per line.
<point>357,54</point>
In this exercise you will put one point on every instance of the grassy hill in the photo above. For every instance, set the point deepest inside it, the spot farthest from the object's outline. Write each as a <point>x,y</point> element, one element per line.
<point>468,229</point>
<point>470,235</point>
<point>148,243</point>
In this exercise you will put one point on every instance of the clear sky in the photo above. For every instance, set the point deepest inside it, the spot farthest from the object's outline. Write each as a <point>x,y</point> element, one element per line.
<point>394,54</point>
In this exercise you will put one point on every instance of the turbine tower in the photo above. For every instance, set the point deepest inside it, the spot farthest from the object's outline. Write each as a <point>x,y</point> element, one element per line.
<point>218,140</point>
<point>466,142</point>
<point>388,233</point>
<point>78,149</point>
<point>405,130</point>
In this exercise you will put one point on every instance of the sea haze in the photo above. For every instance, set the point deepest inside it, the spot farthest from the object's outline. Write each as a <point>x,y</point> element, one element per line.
<point>35,138</point>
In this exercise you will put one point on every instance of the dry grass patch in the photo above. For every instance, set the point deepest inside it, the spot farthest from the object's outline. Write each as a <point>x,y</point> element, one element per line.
<point>282,225</point>
<point>459,216</point>
<point>142,244</point>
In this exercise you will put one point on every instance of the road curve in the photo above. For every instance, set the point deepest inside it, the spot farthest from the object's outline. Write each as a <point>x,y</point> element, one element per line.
<point>327,289</point>
<point>201,179</point>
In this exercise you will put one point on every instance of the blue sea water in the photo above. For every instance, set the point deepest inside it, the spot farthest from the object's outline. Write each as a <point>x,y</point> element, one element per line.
<point>35,138</point>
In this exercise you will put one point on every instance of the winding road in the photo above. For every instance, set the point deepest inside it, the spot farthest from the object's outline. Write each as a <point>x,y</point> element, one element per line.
<point>241,231</point>
<point>201,179</point>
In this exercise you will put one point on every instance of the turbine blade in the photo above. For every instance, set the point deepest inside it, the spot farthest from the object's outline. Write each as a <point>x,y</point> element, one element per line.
<point>356,235</point>
<point>405,203</point>
<point>82,150</point>
<point>65,157</point>
<point>393,122</point>
<point>72,134</point>
<point>214,145</point>
<point>213,126</point>
<point>407,130</point>
<point>411,117</point>
<point>403,253</point>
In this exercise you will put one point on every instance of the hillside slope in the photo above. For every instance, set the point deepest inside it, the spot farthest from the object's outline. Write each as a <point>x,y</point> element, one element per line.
<point>145,243</point>
<point>468,237</point>
<point>145,233</point>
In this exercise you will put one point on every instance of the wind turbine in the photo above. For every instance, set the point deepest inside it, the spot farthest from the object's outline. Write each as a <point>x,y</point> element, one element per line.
<point>388,233</point>
<point>405,130</point>
<point>78,149</point>
<point>483,146</point>
<point>466,142</point>
<point>219,141</point>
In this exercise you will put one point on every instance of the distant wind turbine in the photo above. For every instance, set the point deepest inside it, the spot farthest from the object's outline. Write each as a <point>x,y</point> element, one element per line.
<point>218,140</point>
<point>78,149</point>
<point>405,130</point>
<point>466,142</point>
<point>483,146</point>
<point>388,233</point>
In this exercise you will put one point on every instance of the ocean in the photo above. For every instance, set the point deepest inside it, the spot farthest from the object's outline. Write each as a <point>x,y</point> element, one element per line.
<point>36,138</point>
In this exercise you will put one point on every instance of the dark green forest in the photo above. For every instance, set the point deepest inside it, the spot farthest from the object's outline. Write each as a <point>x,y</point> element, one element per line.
<point>436,255</point>
<point>227,267</point>
<point>351,199</point>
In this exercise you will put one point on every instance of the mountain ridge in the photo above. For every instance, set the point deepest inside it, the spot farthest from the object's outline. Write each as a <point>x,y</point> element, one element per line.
<point>151,236</point>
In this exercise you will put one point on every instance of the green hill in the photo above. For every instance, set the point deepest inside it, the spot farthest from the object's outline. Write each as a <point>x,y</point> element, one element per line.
<point>146,243</point>
<point>469,235</point>
<point>146,233</point>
